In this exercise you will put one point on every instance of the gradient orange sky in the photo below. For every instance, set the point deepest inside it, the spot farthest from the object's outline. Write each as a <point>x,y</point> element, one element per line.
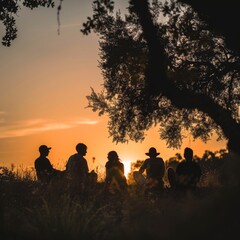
<point>45,78</point>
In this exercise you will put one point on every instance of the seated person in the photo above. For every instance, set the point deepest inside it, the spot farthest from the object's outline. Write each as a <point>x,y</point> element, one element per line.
<point>155,169</point>
<point>115,180</point>
<point>44,168</point>
<point>187,173</point>
<point>77,170</point>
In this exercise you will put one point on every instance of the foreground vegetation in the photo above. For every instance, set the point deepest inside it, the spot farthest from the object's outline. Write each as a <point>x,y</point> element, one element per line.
<point>28,210</point>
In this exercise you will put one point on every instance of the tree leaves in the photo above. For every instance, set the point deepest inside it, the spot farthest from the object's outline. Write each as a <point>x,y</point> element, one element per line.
<point>8,12</point>
<point>198,62</point>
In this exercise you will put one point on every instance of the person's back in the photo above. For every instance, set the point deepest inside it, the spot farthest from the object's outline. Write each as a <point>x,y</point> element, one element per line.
<point>188,172</point>
<point>43,167</point>
<point>114,170</point>
<point>155,169</point>
<point>115,177</point>
<point>77,168</point>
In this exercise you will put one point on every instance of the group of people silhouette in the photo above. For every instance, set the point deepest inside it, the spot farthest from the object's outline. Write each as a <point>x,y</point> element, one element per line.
<point>186,175</point>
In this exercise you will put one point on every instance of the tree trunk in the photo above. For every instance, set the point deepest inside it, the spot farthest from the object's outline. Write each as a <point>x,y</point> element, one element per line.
<point>158,81</point>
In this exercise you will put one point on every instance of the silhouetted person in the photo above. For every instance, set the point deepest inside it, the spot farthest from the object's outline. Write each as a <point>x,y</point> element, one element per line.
<point>115,180</point>
<point>155,169</point>
<point>44,168</point>
<point>188,172</point>
<point>77,168</point>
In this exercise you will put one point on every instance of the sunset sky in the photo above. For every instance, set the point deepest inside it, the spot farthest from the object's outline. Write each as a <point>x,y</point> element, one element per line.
<point>45,78</point>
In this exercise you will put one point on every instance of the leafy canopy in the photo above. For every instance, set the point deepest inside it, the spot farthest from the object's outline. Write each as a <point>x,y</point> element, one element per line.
<point>9,11</point>
<point>197,61</point>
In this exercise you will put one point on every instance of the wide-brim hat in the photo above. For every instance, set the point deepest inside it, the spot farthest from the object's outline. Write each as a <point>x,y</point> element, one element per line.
<point>152,152</point>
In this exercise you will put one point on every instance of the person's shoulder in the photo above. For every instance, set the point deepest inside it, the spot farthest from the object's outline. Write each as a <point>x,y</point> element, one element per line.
<point>159,159</point>
<point>81,159</point>
<point>37,160</point>
<point>73,156</point>
<point>145,162</point>
<point>71,159</point>
<point>120,164</point>
<point>40,159</point>
<point>109,164</point>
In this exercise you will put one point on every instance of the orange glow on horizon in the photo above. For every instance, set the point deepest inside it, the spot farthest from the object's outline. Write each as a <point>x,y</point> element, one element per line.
<point>43,101</point>
<point>127,168</point>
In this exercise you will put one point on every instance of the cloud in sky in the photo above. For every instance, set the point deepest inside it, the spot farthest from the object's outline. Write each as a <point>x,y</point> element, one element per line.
<point>2,114</point>
<point>34,126</point>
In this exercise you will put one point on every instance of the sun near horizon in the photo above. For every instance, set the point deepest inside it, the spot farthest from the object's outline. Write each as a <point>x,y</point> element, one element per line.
<point>127,167</point>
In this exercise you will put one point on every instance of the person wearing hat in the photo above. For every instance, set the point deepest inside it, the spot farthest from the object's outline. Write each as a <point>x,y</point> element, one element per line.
<point>155,169</point>
<point>43,167</point>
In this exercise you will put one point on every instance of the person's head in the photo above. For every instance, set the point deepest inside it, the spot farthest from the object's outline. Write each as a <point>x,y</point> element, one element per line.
<point>44,150</point>
<point>81,149</point>
<point>152,152</point>
<point>188,154</point>
<point>113,156</point>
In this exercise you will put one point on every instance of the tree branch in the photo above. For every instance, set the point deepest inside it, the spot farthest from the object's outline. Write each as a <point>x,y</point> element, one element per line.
<point>158,80</point>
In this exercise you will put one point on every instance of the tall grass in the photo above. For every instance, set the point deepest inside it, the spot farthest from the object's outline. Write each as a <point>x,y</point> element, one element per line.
<point>29,210</point>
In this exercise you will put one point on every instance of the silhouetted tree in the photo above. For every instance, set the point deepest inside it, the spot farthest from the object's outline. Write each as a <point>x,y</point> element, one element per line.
<point>222,17</point>
<point>213,166</point>
<point>8,13</point>
<point>163,66</point>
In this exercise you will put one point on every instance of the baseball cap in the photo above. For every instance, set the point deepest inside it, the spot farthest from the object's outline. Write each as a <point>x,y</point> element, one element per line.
<point>44,148</point>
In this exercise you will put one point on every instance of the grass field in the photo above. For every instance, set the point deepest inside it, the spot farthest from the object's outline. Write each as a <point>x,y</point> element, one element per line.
<point>30,211</point>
